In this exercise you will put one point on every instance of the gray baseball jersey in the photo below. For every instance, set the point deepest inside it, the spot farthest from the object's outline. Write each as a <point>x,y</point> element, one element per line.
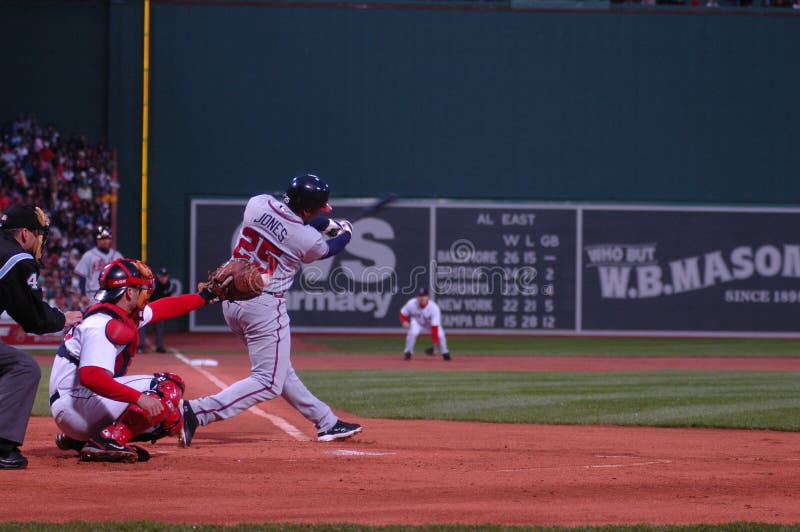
<point>91,264</point>
<point>278,242</point>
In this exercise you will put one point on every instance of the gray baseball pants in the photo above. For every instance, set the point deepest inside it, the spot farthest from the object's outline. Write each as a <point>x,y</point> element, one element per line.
<point>262,324</point>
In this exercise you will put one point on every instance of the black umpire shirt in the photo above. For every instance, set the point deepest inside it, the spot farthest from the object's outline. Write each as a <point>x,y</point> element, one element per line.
<point>20,293</point>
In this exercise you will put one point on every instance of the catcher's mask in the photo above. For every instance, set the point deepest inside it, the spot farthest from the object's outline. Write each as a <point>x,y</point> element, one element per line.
<point>308,192</point>
<point>122,274</point>
<point>31,218</point>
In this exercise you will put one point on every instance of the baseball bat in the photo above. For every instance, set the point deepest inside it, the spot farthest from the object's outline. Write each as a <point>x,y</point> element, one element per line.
<point>383,200</point>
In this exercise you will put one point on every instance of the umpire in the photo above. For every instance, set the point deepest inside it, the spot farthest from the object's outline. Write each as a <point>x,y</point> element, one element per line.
<point>23,231</point>
<point>164,287</point>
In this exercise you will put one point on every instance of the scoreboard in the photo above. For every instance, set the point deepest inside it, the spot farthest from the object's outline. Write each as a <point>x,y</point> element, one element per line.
<point>524,268</point>
<point>506,268</point>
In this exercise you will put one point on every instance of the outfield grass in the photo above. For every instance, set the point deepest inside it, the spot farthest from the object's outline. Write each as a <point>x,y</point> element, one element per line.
<point>569,346</point>
<point>533,346</point>
<point>722,399</point>
<point>41,406</point>
<point>726,399</point>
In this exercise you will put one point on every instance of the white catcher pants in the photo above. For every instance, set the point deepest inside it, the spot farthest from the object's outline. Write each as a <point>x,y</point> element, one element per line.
<point>81,413</point>
<point>262,323</point>
<point>415,329</point>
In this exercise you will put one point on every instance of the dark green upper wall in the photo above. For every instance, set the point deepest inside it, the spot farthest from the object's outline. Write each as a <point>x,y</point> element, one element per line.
<point>54,57</point>
<point>537,105</point>
<point>125,115</point>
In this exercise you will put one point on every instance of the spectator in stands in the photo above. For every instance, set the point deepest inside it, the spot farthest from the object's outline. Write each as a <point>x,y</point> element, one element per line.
<point>41,166</point>
<point>5,200</point>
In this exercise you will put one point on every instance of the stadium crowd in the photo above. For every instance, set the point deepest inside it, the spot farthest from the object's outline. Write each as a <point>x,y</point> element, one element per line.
<point>73,182</point>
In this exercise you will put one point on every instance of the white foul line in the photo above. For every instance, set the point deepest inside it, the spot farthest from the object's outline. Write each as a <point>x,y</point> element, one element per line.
<point>352,452</point>
<point>632,464</point>
<point>278,421</point>
<point>597,466</point>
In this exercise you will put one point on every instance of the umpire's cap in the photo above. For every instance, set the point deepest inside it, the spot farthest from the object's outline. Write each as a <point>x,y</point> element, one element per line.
<point>307,191</point>
<point>19,216</point>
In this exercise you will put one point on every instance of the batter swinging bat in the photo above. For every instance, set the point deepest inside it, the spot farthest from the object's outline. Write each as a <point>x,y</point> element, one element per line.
<point>335,226</point>
<point>382,201</point>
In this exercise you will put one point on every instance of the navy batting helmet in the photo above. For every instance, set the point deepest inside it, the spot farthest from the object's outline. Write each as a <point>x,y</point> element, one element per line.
<point>122,274</point>
<point>308,192</point>
<point>103,232</point>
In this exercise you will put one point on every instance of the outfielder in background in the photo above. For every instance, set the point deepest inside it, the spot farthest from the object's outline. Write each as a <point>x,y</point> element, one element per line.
<point>24,231</point>
<point>94,260</point>
<point>278,237</point>
<point>96,405</point>
<point>421,314</point>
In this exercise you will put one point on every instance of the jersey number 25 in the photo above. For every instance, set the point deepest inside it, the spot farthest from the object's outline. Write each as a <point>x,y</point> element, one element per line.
<point>254,246</point>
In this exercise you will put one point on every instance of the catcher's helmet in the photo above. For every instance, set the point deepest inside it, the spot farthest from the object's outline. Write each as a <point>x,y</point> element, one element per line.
<point>121,274</point>
<point>309,192</point>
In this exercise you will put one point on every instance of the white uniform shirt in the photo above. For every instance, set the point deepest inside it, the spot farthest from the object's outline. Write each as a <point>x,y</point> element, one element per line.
<point>91,264</point>
<point>87,342</point>
<point>277,241</point>
<point>426,317</point>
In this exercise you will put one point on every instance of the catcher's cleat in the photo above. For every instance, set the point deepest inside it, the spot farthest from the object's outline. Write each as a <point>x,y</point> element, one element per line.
<point>446,356</point>
<point>190,423</point>
<point>407,355</point>
<point>429,351</point>
<point>65,443</point>
<point>340,431</point>
<point>100,449</point>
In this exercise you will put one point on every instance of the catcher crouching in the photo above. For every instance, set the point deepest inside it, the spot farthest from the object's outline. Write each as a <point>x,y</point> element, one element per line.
<point>99,408</point>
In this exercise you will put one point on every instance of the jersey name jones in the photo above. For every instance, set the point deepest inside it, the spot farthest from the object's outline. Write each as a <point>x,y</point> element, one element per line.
<point>272,225</point>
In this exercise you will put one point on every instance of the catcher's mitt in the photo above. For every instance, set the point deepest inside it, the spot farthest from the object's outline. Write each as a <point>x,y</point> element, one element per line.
<point>236,279</point>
